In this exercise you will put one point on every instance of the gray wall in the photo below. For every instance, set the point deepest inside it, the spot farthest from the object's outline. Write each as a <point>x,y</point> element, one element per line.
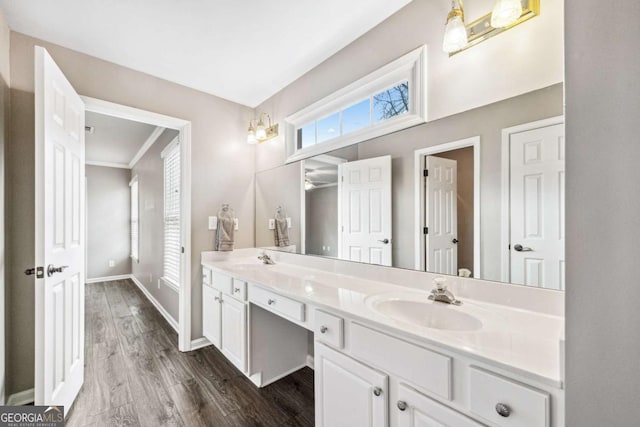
<point>108,221</point>
<point>603,219</point>
<point>278,187</point>
<point>218,140</point>
<point>321,213</point>
<point>149,269</point>
<point>5,107</point>
<point>464,159</point>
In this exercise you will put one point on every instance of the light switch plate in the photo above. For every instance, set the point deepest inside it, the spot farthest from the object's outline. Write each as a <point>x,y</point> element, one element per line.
<point>213,222</point>
<point>288,222</point>
<point>272,224</point>
<point>235,221</point>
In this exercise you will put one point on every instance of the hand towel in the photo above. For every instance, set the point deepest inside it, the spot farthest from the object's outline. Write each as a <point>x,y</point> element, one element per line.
<point>281,232</point>
<point>224,234</point>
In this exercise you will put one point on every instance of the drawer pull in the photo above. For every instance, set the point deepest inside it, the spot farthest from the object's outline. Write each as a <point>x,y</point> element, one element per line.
<point>323,329</point>
<point>402,405</point>
<point>271,302</point>
<point>377,391</point>
<point>503,410</point>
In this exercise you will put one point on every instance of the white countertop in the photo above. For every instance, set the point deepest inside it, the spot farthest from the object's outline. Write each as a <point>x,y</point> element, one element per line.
<point>521,341</point>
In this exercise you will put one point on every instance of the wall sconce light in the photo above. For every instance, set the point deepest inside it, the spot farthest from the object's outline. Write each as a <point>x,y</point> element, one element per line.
<point>505,14</point>
<point>258,132</point>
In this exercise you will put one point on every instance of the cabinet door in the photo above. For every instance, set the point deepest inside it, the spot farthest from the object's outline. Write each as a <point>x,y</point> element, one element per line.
<point>211,315</point>
<point>234,332</point>
<point>414,409</point>
<point>348,393</point>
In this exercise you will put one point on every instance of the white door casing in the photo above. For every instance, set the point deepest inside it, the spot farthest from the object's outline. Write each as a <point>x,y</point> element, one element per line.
<point>441,217</point>
<point>364,211</point>
<point>59,235</point>
<point>537,174</point>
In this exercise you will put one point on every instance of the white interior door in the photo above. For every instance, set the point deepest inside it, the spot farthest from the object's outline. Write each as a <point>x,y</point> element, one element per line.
<point>537,173</point>
<point>59,236</point>
<point>441,217</point>
<point>364,190</point>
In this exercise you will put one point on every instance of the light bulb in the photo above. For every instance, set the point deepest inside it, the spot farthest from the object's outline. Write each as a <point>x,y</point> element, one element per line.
<point>455,33</point>
<point>505,13</point>
<point>261,132</point>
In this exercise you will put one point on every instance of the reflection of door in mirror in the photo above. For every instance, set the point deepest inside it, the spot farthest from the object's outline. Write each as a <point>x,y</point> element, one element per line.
<point>441,215</point>
<point>364,211</point>
<point>537,171</point>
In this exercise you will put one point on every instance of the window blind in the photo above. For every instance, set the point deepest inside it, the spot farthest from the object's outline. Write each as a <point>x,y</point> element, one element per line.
<point>172,245</point>
<point>135,226</point>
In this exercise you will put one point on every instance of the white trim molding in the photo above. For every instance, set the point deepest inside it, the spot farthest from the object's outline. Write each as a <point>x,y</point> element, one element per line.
<point>200,343</point>
<point>419,198</point>
<point>184,129</point>
<point>505,221</point>
<point>107,164</point>
<point>24,397</point>
<point>157,305</point>
<point>153,137</point>
<point>410,68</point>
<point>108,278</point>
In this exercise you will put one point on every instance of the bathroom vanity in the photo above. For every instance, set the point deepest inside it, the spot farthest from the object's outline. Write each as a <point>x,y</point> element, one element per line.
<point>383,353</point>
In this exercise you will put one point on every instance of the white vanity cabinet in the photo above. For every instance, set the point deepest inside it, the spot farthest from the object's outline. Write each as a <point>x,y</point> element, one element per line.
<point>413,409</point>
<point>224,316</point>
<point>348,393</point>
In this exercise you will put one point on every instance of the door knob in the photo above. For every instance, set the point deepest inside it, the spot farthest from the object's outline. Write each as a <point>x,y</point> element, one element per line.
<point>519,248</point>
<point>454,241</point>
<point>51,270</point>
<point>385,241</point>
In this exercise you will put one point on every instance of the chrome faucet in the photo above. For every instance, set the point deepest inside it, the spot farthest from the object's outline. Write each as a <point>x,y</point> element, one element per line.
<point>441,294</point>
<point>266,259</point>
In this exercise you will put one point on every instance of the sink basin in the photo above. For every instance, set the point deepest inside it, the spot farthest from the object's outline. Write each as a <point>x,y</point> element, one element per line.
<point>426,313</point>
<point>250,267</point>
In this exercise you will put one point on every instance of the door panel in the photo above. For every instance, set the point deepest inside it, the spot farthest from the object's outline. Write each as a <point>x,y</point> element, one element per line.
<point>537,174</point>
<point>348,393</point>
<point>234,326</point>
<point>441,215</point>
<point>365,211</point>
<point>59,235</point>
<point>422,411</point>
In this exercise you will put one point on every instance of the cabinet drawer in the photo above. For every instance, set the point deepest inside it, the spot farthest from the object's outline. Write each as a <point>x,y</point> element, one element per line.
<point>424,368</point>
<point>416,409</point>
<point>239,290</point>
<point>527,406</point>
<point>222,282</point>
<point>329,329</point>
<point>206,276</point>
<point>277,303</point>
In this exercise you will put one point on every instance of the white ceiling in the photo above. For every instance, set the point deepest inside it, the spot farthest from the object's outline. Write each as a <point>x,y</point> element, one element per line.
<point>242,50</point>
<point>114,140</point>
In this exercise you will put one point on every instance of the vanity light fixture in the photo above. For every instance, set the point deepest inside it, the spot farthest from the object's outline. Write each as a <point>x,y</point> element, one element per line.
<point>258,132</point>
<point>504,15</point>
<point>455,32</point>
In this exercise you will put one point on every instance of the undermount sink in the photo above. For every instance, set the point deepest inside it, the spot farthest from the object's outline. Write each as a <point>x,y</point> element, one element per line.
<point>420,311</point>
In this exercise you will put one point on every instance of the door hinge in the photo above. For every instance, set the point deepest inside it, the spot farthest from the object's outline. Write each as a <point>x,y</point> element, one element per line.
<point>425,172</point>
<point>425,230</point>
<point>342,178</point>
<point>182,249</point>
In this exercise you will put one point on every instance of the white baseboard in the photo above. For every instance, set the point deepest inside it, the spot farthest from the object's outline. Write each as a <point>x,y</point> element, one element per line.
<point>199,343</point>
<point>159,307</point>
<point>309,361</point>
<point>21,398</point>
<point>108,278</point>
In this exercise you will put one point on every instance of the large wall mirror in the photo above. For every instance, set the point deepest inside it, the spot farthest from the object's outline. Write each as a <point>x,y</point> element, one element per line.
<point>478,194</point>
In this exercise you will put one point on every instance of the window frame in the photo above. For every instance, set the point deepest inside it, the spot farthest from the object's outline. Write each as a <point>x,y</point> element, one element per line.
<point>171,148</point>
<point>410,68</point>
<point>134,183</point>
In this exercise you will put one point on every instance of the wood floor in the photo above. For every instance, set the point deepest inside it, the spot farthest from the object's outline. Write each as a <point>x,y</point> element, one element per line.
<point>135,375</point>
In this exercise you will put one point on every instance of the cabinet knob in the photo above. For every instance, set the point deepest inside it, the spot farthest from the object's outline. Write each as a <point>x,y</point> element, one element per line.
<point>323,329</point>
<point>503,410</point>
<point>402,405</point>
<point>236,290</point>
<point>377,391</point>
<point>271,302</point>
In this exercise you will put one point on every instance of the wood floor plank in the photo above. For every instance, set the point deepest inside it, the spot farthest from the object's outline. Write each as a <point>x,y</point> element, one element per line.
<point>135,374</point>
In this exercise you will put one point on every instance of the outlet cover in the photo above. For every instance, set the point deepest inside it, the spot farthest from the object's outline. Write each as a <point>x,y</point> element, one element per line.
<point>112,263</point>
<point>213,222</point>
<point>272,224</point>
